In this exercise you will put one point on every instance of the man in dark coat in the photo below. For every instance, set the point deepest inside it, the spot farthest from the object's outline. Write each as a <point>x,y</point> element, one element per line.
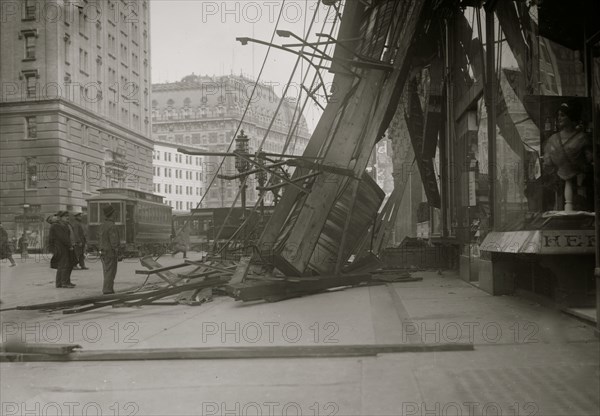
<point>62,248</point>
<point>5,250</point>
<point>23,246</point>
<point>80,240</point>
<point>110,240</point>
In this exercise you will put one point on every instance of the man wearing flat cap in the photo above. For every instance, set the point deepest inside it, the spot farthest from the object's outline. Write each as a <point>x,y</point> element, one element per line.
<point>63,257</point>
<point>110,240</point>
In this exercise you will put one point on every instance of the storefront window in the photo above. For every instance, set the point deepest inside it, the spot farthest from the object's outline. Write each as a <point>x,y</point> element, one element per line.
<point>551,118</point>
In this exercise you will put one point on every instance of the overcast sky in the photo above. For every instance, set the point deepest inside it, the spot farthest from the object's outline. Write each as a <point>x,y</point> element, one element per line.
<point>199,36</point>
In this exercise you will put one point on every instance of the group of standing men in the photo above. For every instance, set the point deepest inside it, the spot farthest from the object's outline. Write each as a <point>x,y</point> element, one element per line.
<point>67,242</point>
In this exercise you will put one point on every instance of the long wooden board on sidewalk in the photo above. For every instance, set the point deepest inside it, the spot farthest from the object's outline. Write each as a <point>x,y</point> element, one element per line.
<point>220,353</point>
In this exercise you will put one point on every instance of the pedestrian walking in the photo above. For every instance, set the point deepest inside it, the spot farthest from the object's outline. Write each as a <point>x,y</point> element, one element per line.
<point>80,240</point>
<point>182,242</point>
<point>5,249</point>
<point>63,258</point>
<point>23,245</point>
<point>110,241</point>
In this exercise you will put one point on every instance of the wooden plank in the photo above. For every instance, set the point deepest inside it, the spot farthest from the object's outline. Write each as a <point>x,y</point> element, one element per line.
<point>160,271</point>
<point>149,297</point>
<point>260,290</point>
<point>468,99</point>
<point>414,122</point>
<point>156,268</point>
<point>30,348</point>
<point>108,300</point>
<point>219,353</point>
<point>340,258</point>
<point>389,220</point>
<point>504,122</point>
<point>523,44</point>
<point>241,271</point>
<point>343,84</point>
<point>210,266</point>
<point>433,111</point>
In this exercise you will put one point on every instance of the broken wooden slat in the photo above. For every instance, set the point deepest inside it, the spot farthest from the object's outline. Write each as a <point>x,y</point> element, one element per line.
<point>160,271</point>
<point>96,302</point>
<point>210,266</point>
<point>241,271</point>
<point>31,348</point>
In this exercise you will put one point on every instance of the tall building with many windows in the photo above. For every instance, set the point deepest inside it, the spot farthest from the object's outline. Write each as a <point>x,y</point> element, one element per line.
<point>178,177</point>
<point>74,107</point>
<point>204,112</point>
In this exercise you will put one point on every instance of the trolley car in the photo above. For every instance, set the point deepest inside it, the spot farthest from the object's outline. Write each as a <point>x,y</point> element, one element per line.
<point>143,219</point>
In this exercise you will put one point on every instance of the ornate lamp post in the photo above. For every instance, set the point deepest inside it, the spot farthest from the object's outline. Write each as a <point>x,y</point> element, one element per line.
<point>242,165</point>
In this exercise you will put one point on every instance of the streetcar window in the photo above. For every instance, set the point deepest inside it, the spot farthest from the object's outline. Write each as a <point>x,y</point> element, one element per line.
<point>93,213</point>
<point>117,206</point>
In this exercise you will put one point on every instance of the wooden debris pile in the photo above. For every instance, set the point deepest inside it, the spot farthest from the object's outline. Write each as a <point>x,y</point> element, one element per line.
<point>128,299</point>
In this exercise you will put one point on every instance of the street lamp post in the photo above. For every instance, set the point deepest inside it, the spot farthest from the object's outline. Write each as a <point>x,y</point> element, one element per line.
<point>242,165</point>
<point>261,177</point>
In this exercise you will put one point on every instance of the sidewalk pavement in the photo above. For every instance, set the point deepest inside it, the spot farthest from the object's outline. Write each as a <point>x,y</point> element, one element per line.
<point>528,360</point>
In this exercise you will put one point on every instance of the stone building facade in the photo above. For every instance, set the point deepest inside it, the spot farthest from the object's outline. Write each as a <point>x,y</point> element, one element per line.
<point>74,106</point>
<point>204,112</point>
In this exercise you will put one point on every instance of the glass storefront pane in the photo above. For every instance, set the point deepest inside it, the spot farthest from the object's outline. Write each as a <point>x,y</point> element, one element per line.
<point>539,72</point>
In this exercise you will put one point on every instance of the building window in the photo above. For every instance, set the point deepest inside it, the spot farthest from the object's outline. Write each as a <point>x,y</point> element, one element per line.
<point>85,134</point>
<point>69,170</point>
<point>31,77</point>
<point>32,178</point>
<point>84,176</point>
<point>99,34</point>
<point>83,60</point>
<point>31,126</point>
<point>123,54</point>
<point>30,37</point>
<point>82,23</point>
<point>29,9</point>
<point>67,40</point>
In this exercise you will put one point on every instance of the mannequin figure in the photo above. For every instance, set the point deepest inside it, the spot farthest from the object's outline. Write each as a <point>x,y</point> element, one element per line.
<point>569,154</point>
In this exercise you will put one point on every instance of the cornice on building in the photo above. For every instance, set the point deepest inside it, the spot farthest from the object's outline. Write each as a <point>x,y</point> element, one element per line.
<point>92,119</point>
